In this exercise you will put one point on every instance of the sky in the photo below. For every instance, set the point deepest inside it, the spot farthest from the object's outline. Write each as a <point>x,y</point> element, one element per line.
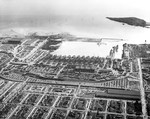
<point>76,8</point>
<point>78,16</point>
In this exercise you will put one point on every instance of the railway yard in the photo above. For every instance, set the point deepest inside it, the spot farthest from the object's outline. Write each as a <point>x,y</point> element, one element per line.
<point>35,84</point>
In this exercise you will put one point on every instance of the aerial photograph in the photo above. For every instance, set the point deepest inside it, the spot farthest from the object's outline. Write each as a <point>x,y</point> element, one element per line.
<point>74,59</point>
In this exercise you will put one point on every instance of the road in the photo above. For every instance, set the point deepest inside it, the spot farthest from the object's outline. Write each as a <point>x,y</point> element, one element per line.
<point>142,91</point>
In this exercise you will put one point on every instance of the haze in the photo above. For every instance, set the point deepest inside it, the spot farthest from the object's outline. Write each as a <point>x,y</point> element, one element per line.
<point>139,8</point>
<point>82,16</point>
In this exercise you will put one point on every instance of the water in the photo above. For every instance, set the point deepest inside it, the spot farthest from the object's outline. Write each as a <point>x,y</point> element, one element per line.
<point>86,28</point>
<point>88,49</point>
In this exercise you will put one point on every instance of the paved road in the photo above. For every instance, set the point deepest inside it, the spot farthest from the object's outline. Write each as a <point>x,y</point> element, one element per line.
<point>142,90</point>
